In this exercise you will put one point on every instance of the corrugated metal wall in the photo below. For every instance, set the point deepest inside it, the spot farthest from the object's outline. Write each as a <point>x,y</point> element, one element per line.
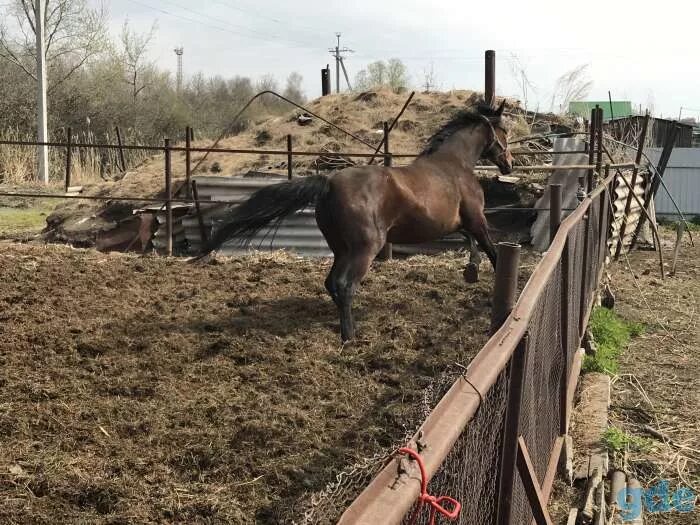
<point>682,178</point>
<point>298,233</point>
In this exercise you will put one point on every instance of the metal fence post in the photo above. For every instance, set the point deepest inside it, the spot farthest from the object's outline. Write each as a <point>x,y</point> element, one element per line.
<point>289,157</point>
<point>168,200</point>
<point>599,156</point>
<point>592,134</point>
<point>121,148</point>
<point>69,156</point>
<point>188,163</point>
<point>505,283</point>
<point>584,274</point>
<point>602,226</point>
<point>200,218</point>
<point>511,432</point>
<point>565,308</point>
<point>386,251</point>
<point>554,210</point>
<point>490,77</point>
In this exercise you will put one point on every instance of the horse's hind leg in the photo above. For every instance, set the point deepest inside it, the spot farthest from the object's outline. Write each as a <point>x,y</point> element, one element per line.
<point>349,271</point>
<point>471,271</point>
<point>481,233</point>
<point>331,283</point>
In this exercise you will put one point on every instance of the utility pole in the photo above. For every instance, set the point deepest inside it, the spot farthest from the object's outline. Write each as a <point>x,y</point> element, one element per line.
<point>42,132</point>
<point>179,51</point>
<point>337,52</point>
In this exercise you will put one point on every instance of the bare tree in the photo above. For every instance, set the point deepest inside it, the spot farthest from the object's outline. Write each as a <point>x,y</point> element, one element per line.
<point>519,73</point>
<point>391,74</point>
<point>572,85</point>
<point>75,32</point>
<point>293,90</point>
<point>135,60</point>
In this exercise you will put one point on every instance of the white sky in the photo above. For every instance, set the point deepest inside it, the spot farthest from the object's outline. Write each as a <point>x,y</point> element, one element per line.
<point>644,54</point>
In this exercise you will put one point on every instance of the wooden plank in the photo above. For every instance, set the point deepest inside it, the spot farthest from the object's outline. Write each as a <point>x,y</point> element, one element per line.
<point>532,487</point>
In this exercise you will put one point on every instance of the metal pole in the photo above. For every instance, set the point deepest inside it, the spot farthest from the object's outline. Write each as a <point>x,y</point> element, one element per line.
<point>69,156</point>
<point>593,126</point>
<point>200,218</point>
<point>386,252</point>
<point>188,162</point>
<point>509,450</point>
<point>42,131</point>
<point>337,67</point>
<point>506,283</point>
<point>584,275</point>
<point>602,221</point>
<point>565,343</point>
<point>325,81</point>
<point>289,157</point>
<point>168,201</point>
<point>554,210</point>
<point>121,148</point>
<point>490,77</point>
<point>599,158</point>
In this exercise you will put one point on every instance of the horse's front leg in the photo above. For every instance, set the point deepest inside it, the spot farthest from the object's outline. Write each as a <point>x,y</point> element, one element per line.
<point>471,271</point>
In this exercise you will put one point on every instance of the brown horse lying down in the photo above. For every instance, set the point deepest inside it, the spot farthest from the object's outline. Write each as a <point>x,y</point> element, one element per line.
<point>359,209</point>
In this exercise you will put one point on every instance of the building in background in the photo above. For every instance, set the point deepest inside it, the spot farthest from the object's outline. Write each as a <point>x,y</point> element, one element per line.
<point>620,108</point>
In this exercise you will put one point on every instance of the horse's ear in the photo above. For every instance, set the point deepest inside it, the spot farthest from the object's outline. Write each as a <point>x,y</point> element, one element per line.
<point>500,109</point>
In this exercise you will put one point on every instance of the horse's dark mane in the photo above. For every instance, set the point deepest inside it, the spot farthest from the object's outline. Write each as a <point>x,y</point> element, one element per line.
<point>459,121</point>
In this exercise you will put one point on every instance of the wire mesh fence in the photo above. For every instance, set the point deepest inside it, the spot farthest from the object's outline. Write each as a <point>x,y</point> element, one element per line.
<point>548,321</point>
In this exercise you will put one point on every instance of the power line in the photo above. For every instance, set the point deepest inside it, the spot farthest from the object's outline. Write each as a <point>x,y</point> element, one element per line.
<point>218,28</point>
<point>285,23</point>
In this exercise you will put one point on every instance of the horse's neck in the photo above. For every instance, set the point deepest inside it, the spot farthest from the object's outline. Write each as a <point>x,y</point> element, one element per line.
<point>462,150</point>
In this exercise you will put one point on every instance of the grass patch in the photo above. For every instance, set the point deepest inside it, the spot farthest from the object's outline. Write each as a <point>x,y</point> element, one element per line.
<point>617,440</point>
<point>24,220</point>
<point>693,223</point>
<point>611,334</point>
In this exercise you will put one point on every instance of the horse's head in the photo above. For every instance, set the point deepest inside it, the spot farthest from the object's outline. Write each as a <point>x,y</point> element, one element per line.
<point>496,149</point>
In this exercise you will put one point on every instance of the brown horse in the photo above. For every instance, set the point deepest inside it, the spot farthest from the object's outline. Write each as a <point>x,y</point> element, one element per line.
<point>359,209</point>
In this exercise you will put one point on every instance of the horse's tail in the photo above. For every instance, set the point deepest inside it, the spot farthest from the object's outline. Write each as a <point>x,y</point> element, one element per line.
<point>269,204</point>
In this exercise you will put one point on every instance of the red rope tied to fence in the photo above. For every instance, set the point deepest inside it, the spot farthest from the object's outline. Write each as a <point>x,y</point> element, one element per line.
<point>436,503</point>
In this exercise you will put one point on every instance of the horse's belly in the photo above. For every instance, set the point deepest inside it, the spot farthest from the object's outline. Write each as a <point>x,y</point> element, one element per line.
<point>417,232</point>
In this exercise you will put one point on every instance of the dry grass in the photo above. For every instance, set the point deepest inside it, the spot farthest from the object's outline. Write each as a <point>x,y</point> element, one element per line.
<point>89,165</point>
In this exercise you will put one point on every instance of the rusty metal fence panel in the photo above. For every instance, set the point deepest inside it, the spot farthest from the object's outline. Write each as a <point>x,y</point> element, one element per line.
<point>552,311</point>
<point>469,470</point>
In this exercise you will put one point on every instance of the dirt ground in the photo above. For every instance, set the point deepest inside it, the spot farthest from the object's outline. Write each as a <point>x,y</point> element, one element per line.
<point>658,384</point>
<point>145,390</point>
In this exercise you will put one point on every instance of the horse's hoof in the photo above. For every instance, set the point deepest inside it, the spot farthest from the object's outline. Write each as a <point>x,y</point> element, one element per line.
<point>471,273</point>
